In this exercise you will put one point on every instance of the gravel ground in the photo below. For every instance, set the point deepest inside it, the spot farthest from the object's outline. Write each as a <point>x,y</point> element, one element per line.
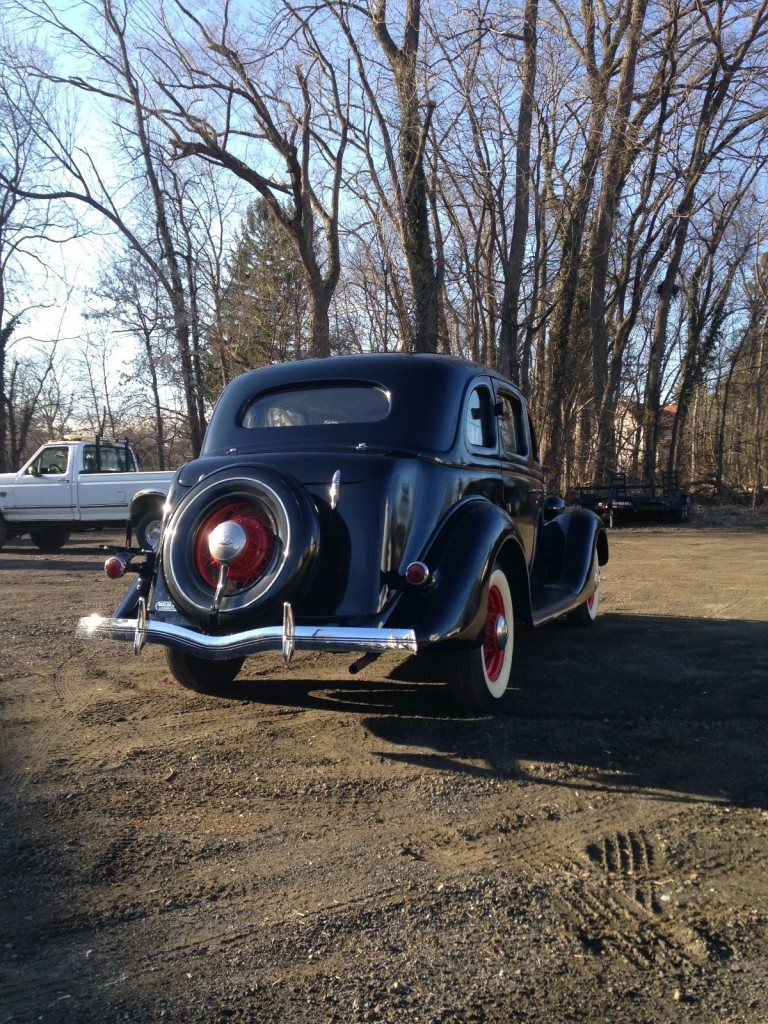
<point>317,847</point>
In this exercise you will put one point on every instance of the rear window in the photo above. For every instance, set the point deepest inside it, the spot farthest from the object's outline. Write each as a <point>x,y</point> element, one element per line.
<point>107,459</point>
<point>317,407</point>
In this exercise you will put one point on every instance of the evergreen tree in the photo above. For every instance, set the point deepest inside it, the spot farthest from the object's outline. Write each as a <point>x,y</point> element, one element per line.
<point>264,312</point>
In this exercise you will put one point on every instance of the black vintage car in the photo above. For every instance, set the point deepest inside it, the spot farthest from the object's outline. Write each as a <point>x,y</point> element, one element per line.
<point>362,504</point>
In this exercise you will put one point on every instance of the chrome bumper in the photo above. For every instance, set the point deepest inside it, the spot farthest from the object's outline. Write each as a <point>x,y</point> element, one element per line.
<point>335,639</point>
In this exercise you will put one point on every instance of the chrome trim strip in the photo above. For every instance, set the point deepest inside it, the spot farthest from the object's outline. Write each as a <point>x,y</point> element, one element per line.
<point>335,639</point>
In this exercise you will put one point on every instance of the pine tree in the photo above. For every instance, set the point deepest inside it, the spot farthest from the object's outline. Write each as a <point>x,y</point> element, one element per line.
<point>264,315</point>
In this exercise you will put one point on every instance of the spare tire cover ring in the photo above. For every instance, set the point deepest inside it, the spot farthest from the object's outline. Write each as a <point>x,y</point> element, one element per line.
<point>296,541</point>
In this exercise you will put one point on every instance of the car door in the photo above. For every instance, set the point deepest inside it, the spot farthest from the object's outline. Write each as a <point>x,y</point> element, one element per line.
<point>522,477</point>
<point>43,490</point>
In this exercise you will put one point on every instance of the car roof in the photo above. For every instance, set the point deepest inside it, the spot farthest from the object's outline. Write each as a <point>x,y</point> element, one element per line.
<point>427,392</point>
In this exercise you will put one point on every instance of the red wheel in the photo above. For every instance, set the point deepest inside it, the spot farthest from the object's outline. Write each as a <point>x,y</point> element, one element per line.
<point>479,677</point>
<point>495,640</point>
<point>248,567</point>
<point>282,536</point>
<point>586,613</point>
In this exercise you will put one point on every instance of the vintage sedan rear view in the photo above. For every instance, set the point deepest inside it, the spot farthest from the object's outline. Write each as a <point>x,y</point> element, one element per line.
<point>360,504</point>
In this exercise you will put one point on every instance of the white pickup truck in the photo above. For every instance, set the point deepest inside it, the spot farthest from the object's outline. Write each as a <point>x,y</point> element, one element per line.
<point>79,484</point>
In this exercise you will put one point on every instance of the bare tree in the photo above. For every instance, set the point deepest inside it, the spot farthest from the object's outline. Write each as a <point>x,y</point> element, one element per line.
<point>131,305</point>
<point>513,275</point>
<point>392,127</point>
<point>148,209</point>
<point>25,229</point>
<point>254,105</point>
<point>709,296</point>
<point>726,117</point>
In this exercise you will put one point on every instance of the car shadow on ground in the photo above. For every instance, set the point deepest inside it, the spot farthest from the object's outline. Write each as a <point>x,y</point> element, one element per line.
<point>667,705</point>
<point>86,554</point>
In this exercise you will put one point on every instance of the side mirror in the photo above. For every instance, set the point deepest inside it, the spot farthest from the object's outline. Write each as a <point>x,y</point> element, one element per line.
<point>33,471</point>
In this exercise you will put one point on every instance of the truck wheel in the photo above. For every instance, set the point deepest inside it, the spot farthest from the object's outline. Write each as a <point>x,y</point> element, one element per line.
<point>50,538</point>
<point>3,532</point>
<point>202,675</point>
<point>148,529</point>
<point>478,678</point>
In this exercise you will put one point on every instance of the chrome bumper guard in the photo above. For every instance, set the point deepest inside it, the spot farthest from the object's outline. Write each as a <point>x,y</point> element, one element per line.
<point>289,637</point>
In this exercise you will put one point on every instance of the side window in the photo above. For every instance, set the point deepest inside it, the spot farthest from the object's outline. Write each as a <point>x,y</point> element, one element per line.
<point>478,426</point>
<point>51,460</point>
<point>512,421</point>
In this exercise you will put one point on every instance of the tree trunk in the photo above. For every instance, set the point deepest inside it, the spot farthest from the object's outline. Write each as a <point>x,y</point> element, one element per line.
<point>618,159</point>
<point>414,217</point>
<point>509,359</point>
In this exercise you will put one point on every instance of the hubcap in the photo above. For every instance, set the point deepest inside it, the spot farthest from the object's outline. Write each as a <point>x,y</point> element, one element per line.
<point>496,635</point>
<point>227,541</point>
<point>238,534</point>
<point>502,633</point>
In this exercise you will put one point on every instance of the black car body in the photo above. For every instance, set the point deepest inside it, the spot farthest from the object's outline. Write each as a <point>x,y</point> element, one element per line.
<point>364,504</point>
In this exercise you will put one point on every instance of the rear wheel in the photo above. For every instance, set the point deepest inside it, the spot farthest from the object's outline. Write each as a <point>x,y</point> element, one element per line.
<point>200,674</point>
<point>586,613</point>
<point>49,538</point>
<point>478,678</point>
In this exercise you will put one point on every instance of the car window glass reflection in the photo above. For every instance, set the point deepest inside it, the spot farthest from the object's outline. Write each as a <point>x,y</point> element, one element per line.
<point>479,432</point>
<point>512,426</point>
<point>107,460</point>
<point>317,407</point>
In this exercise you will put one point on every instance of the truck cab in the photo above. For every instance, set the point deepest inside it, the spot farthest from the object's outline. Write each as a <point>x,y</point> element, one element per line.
<point>77,483</point>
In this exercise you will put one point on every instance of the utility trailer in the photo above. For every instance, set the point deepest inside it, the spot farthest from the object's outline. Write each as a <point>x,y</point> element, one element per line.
<point>622,501</point>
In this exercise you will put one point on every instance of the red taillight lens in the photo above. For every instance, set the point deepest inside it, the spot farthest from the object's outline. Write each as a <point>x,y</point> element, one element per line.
<point>417,573</point>
<point>115,567</point>
<point>250,565</point>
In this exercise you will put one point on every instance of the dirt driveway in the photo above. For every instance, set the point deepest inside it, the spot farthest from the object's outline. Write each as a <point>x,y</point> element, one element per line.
<point>320,847</point>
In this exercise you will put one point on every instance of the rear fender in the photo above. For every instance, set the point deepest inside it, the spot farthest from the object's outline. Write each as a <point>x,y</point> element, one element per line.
<point>452,606</point>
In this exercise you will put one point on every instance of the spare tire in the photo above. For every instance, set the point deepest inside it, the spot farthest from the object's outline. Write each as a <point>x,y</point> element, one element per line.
<point>283,532</point>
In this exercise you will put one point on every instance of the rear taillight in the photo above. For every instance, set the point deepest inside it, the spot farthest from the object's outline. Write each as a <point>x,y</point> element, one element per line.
<point>115,567</point>
<point>417,574</point>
